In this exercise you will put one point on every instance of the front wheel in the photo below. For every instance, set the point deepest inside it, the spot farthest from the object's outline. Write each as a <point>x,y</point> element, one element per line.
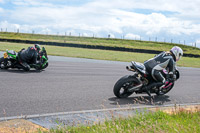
<point>123,84</point>
<point>45,66</point>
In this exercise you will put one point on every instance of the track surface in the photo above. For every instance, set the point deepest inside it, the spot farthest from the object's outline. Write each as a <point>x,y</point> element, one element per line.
<point>78,84</point>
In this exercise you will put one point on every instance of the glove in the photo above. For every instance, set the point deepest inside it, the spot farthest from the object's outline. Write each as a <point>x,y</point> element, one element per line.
<point>172,79</point>
<point>172,76</point>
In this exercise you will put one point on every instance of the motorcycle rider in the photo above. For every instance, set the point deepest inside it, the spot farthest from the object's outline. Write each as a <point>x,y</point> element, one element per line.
<point>29,56</point>
<point>164,60</point>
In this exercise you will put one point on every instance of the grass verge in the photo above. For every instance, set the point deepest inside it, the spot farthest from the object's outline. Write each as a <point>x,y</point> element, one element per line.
<point>98,54</point>
<point>137,44</point>
<point>182,121</point>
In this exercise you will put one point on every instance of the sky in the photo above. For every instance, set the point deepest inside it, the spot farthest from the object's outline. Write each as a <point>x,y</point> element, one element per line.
<point>162,20</point>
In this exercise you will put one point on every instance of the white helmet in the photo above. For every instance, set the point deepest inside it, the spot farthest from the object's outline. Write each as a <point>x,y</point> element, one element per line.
<point>177,51</point>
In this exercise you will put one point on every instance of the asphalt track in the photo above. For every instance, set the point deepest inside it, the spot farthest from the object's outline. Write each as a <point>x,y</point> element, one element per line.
<point>71,84</point>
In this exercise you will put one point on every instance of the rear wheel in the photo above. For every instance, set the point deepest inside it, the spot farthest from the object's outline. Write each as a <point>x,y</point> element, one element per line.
<point>122,85</point>
<point>3,63</point>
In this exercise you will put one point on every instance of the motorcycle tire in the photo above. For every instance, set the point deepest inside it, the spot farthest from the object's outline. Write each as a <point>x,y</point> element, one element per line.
<point>121,86</point>
<point>2,61</point>
<point>45,66</point>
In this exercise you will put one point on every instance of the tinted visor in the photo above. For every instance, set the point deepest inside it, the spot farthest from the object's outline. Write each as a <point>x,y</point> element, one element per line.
<point>179,57</point>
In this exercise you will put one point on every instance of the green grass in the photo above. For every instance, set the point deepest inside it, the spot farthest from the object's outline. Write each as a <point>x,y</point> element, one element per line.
<point>98,54</point>
<point>100,41</point>
<point>182,122</point>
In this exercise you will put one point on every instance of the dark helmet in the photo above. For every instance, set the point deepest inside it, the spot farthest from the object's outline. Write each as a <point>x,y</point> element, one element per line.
<point>37,47</point>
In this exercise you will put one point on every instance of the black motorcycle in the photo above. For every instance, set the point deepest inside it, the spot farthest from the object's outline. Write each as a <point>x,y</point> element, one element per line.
<point>139,81</point>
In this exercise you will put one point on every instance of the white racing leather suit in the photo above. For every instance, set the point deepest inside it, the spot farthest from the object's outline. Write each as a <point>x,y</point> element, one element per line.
<point>161,61</point>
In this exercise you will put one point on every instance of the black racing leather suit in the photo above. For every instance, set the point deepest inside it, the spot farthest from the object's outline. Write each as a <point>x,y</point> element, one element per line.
<point>161,61</point>
<point>26,57</point>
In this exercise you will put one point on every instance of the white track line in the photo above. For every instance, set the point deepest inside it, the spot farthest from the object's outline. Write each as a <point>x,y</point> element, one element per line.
<point>91,111</point>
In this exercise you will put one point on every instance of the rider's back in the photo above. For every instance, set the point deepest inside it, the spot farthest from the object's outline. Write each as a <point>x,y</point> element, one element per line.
<point>28,55</point>
<point>160,62</point>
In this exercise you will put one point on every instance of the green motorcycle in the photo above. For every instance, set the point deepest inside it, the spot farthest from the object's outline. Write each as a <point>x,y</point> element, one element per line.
<point>10,60</point>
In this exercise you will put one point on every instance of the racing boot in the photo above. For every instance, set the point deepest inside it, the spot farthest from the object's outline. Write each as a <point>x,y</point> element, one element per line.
<point>161,86</point>
<point>160,92</point>
<point>25,66</point>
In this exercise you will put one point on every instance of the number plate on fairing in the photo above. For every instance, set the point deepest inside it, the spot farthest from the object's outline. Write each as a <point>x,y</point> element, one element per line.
<point>5,55</point>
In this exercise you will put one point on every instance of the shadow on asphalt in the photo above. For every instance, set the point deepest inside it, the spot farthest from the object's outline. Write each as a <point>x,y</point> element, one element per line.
<point>20,71</point>
<point>145,100</point>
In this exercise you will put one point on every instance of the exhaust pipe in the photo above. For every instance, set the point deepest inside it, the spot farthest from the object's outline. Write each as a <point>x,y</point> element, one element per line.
<point>135,88</point>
